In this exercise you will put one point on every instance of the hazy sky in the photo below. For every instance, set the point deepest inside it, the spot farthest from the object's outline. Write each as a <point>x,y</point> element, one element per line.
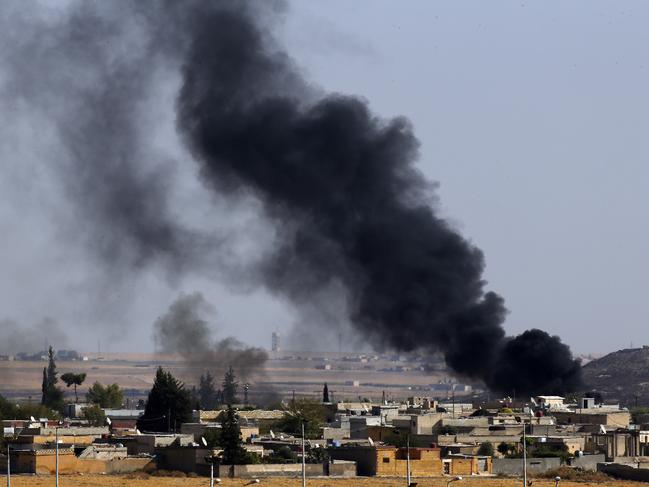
<point>531,117</point>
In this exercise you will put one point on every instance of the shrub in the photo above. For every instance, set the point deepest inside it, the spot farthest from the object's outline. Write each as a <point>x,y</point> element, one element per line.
<point>486,449</point>
<point>576,474</point>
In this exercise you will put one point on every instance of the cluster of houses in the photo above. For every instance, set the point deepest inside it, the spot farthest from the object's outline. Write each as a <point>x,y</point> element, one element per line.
<point>62,355</point>
<point>420,436</point>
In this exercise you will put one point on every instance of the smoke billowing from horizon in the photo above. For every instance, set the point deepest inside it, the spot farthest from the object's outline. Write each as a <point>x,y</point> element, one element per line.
<point>352,217</point>
<point>185,330</point>
<point>342,183</point>
<point>22,338</point>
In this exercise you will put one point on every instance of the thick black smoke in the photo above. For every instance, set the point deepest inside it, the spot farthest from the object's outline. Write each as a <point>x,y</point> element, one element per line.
<point>350,208</point>
<point>357,209</point>
<point>183,329</point>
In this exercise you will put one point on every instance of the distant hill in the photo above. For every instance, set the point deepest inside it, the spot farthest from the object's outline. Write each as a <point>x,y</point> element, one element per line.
<point>621,376</point>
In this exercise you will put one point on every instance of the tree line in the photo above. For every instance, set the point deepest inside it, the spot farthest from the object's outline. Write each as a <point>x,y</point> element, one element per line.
<point>52,396</point>
<point>169,404</point>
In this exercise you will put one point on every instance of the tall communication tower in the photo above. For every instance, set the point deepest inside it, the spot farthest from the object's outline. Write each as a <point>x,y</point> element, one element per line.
<point>275,342</point>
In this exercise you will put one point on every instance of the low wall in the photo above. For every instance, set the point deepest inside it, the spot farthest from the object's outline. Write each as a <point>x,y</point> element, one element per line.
<point>588,462</point>
<point>514,466</point>
<point>342,469</point>
<point>625,472</point>
<point>128,465</point>
<point>69,464</point>
<point>337,469</point>
<point>640,462</point>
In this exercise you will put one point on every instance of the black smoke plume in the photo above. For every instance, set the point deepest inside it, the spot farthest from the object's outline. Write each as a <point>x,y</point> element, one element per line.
<point>350,209</point>
<point>184,329</point>
<point>344,184</point>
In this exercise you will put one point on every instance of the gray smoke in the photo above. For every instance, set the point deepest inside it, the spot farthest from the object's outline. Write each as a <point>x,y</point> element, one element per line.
<point>18,337</point>
<point>352,215</point>
<point>184,329</point>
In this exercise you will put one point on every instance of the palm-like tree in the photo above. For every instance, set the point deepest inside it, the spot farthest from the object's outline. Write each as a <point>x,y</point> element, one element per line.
<point>71,378</point>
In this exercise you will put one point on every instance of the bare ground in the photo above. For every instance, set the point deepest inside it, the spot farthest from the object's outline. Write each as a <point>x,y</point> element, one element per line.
<point>118,481</point>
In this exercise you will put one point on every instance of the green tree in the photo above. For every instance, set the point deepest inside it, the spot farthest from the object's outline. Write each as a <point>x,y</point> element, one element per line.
<point>503,448</point>
<point>207,392</point>
<point>44,386</point>
<point>70,378</point>
<point>541,450</point>
<point>283,454</point>
<point>230,439</point>
<point>230,387</point>
<point>307,411</point>
<point>26,411</point>
<point>94,415</point>
<point>317,455</point>
<point>486,449</point>
<point>168,406</point>
<point>52,395</point>
<point>212,437</point>
<point>105,396</point>
<point>7,409</point>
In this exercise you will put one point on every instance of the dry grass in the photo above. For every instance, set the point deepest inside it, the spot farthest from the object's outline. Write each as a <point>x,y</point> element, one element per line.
<point>569,473</point>
<point>133,481</point>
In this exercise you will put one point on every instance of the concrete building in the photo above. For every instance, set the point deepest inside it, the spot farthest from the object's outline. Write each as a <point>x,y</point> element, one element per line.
<point>123,418</point>
<point>199,429</point>
<point>390,461</point>
<point>41,459</point>
<point>72,435</point>
<point>615,418</point>
<point>260,418</point>
<point>550,402</point>
<point>185,459</point>
<point>616,444</point>
<point>149,443</point>
<point>274,342</point>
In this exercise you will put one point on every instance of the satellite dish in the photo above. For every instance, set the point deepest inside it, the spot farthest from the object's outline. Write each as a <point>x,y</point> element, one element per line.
<point>371,441</point>
<point>32,419</point>
<point>203,441</point>
<point>108,421</point>
<point>137,431</point>
<point>602,429</point>
<point>272,435</point>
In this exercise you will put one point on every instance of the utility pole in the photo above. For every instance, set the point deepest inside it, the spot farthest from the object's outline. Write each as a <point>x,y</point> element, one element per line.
<point>8,465</point>
<point>57,455</point>
<point>524,456</point>
<point>303,458</point>
<point>16,434</point>
<point>408,460</point>
<point>453,395</point>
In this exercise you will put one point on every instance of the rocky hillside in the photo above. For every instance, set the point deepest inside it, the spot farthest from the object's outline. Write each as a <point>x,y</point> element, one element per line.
<point>621,376</point>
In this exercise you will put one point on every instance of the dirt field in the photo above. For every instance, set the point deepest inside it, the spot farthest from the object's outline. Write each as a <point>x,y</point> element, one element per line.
<point>135,373</point>
<point>116,481</point>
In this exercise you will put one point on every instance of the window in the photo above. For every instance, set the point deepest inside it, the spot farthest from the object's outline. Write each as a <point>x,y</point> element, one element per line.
<point>386,459</point>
